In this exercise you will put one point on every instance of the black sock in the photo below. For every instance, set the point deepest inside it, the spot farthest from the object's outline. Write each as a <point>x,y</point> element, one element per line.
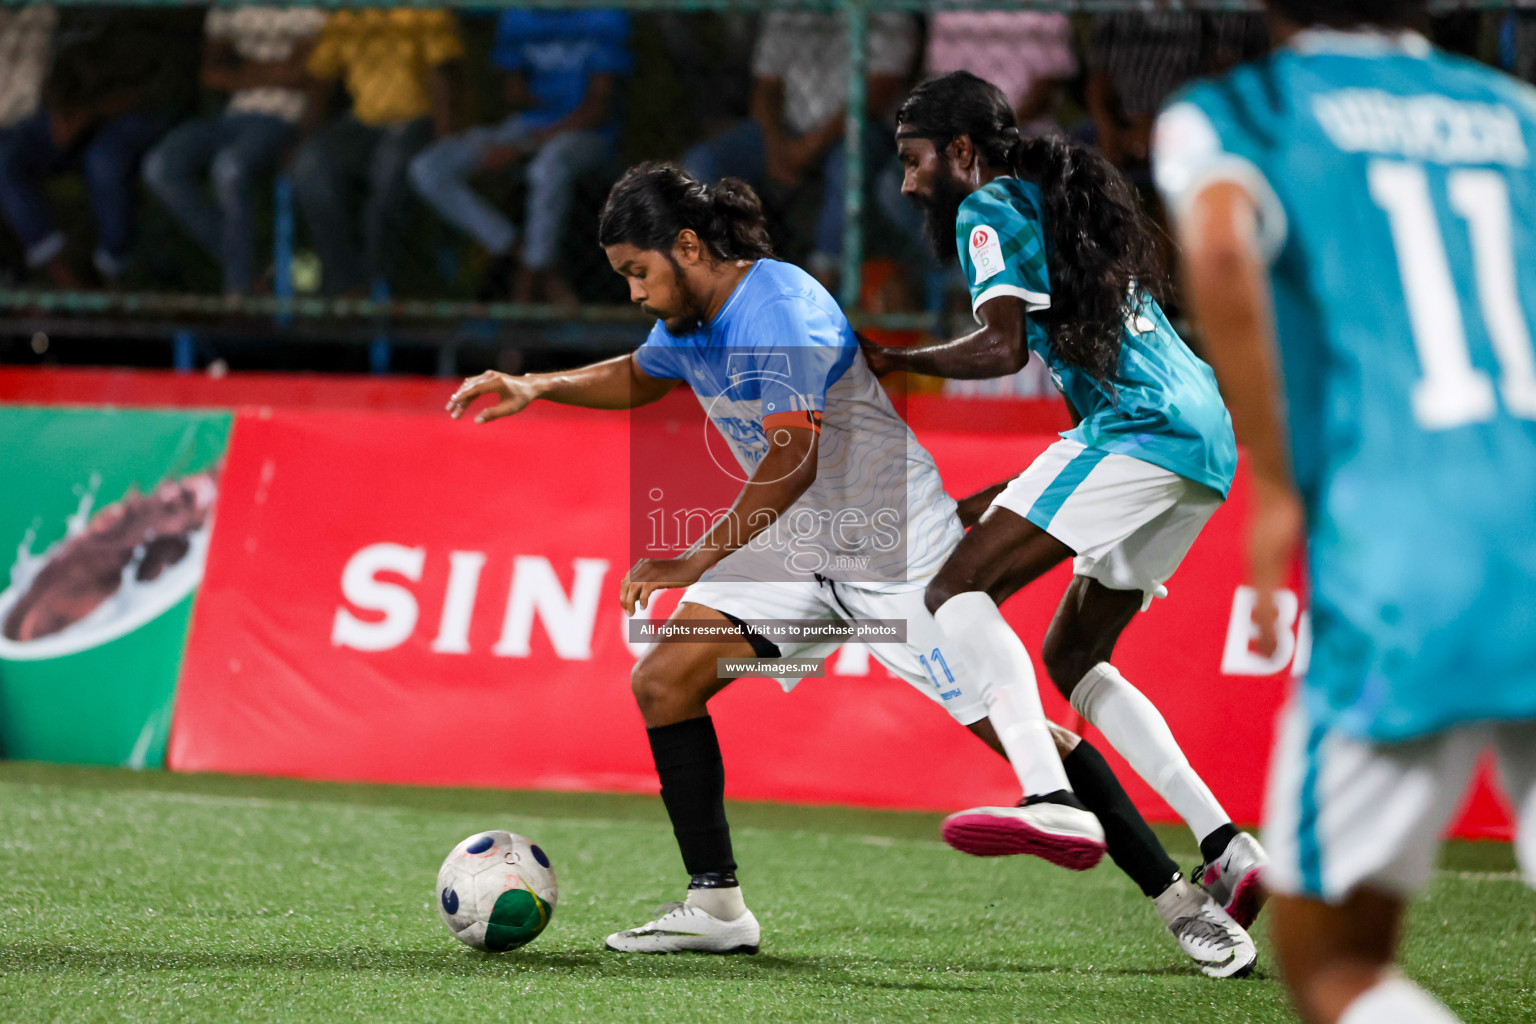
<point>1131,842</point>
<point>1215,844</point>
<point>687,756</point>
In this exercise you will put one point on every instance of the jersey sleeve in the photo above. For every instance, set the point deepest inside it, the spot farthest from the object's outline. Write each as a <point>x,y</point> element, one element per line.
<point>1199,141</point>
<point>660,356</point>
<point>1002,252</point>
<point>798,358</point>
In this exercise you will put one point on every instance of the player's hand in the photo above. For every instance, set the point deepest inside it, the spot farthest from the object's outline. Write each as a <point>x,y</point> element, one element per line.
<point>652,574</point>
<point>512,394</point>
<point>879,357</point>
<point>1273,534</point>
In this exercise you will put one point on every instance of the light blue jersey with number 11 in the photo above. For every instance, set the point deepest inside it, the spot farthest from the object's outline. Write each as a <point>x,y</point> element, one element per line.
<point>1396,188</point>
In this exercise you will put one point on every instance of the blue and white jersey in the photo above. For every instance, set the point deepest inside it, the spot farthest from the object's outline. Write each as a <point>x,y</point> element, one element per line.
<point>781,353</point>
<point>1162,407</point>
<point>1397,200</point>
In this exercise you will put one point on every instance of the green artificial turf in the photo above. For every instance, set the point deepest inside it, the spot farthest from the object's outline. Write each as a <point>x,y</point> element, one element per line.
<point>154,897</point>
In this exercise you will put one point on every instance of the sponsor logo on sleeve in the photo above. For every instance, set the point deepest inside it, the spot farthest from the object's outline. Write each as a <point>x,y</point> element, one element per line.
<point>986,253</point>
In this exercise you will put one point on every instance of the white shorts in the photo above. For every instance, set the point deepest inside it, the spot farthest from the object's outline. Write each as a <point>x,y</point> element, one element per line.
<point>1342,813</point>
<point>925,660</point>
<point>1131,523</point>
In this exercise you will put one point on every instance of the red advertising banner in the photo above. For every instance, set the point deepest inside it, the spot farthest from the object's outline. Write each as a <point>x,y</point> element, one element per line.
<point>402,598</point>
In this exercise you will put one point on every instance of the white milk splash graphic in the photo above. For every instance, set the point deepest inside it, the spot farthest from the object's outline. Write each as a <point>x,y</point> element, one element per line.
<point>134,603</point>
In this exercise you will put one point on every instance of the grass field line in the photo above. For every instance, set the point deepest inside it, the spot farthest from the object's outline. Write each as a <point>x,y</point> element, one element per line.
<point>1482,876</point>
<point>288,804</point>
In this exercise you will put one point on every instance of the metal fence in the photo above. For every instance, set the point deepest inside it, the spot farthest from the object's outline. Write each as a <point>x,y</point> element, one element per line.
<point>449,323</point>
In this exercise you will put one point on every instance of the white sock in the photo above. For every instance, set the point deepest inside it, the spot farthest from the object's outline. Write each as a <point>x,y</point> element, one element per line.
<point>1396,1001</point>
<point>723,904</point>
<point>996,656</point>
<point>1136,729</point>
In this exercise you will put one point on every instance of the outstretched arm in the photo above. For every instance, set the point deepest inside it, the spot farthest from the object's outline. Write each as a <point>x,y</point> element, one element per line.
<point>1229,294</point>
<point>996,349</point>
<point>616,383</point>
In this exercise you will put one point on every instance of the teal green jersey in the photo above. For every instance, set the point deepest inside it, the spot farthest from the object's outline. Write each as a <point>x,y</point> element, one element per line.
<point>1396,198</point>
<point>1161,407</point>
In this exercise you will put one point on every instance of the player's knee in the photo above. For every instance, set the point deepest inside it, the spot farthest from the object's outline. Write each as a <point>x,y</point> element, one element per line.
<point>950,582</point>
<point>938,592</point>
<point>653,689</point>
<point>1066,741</point>
<point>1066,661</point>
<point>665,692</point>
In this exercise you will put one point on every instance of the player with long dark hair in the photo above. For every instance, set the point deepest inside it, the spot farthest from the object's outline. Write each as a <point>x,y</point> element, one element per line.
<point>1061,263</point>
<point>777,367</point>
<point>1358,216</point>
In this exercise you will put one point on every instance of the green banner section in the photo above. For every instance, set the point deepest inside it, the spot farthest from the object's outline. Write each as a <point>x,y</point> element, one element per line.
<point>105,518</point>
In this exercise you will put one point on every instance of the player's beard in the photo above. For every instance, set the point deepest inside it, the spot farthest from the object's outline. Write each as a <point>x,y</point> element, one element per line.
<point>692,313</point>
<point>940,211</point>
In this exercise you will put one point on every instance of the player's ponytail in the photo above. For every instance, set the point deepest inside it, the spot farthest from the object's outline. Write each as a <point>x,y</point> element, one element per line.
<point>740,230</point>
<point>653,202</point>
<point>1101,248</point>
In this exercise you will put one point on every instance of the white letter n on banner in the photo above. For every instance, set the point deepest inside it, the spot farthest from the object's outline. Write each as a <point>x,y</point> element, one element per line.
<point>567,619</point>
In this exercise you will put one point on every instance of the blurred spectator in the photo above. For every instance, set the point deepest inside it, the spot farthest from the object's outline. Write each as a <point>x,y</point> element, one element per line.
<point>1231,39</point>
<point>392,64</point>
<point>563,69</point>
<point>799,101</point>
<point>256,54</point>
<point>706,53</point>
<point>26,44</point>
<point>1137,59</point>
<point>1027,55</point>
<point>117,78</point>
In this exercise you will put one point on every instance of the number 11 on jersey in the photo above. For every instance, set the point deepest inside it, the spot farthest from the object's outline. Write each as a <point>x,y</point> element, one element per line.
<point>1453,392</point>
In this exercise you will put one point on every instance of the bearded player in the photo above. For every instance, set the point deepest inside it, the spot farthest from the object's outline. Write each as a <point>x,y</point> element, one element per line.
<point>1357,216</point>
<point>779,372</point>
<point>1062,264</point>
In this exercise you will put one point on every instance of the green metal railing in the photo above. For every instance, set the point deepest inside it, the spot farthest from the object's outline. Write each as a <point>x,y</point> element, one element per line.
<point>26,303</point>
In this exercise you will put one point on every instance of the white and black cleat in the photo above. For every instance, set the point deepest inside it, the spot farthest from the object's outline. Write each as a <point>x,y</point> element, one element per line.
<point>1236,879</point>
<point>681,928</point>
<point>1205,931</point>
<point>1063,833</point>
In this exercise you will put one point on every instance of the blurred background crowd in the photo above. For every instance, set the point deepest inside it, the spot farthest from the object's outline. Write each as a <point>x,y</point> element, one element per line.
<point>393,153</point>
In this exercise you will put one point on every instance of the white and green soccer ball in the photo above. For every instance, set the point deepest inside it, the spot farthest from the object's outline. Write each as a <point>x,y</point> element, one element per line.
<point>496,891</point>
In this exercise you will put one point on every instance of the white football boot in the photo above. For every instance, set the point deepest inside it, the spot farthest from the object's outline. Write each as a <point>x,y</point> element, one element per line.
<point>682,928</point>
<point>1067,836</point>
<point>1236,879</point>
<point>1205,931</point>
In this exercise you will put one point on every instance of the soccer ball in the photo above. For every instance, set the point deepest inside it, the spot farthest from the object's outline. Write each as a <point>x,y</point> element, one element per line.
<point>496,891</point>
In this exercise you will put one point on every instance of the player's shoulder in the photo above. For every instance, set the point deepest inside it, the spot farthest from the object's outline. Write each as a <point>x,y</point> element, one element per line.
<point>1251,101</point>
<point>1476,80</point>
<point>1003,203</point>
<point>782,296</point>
